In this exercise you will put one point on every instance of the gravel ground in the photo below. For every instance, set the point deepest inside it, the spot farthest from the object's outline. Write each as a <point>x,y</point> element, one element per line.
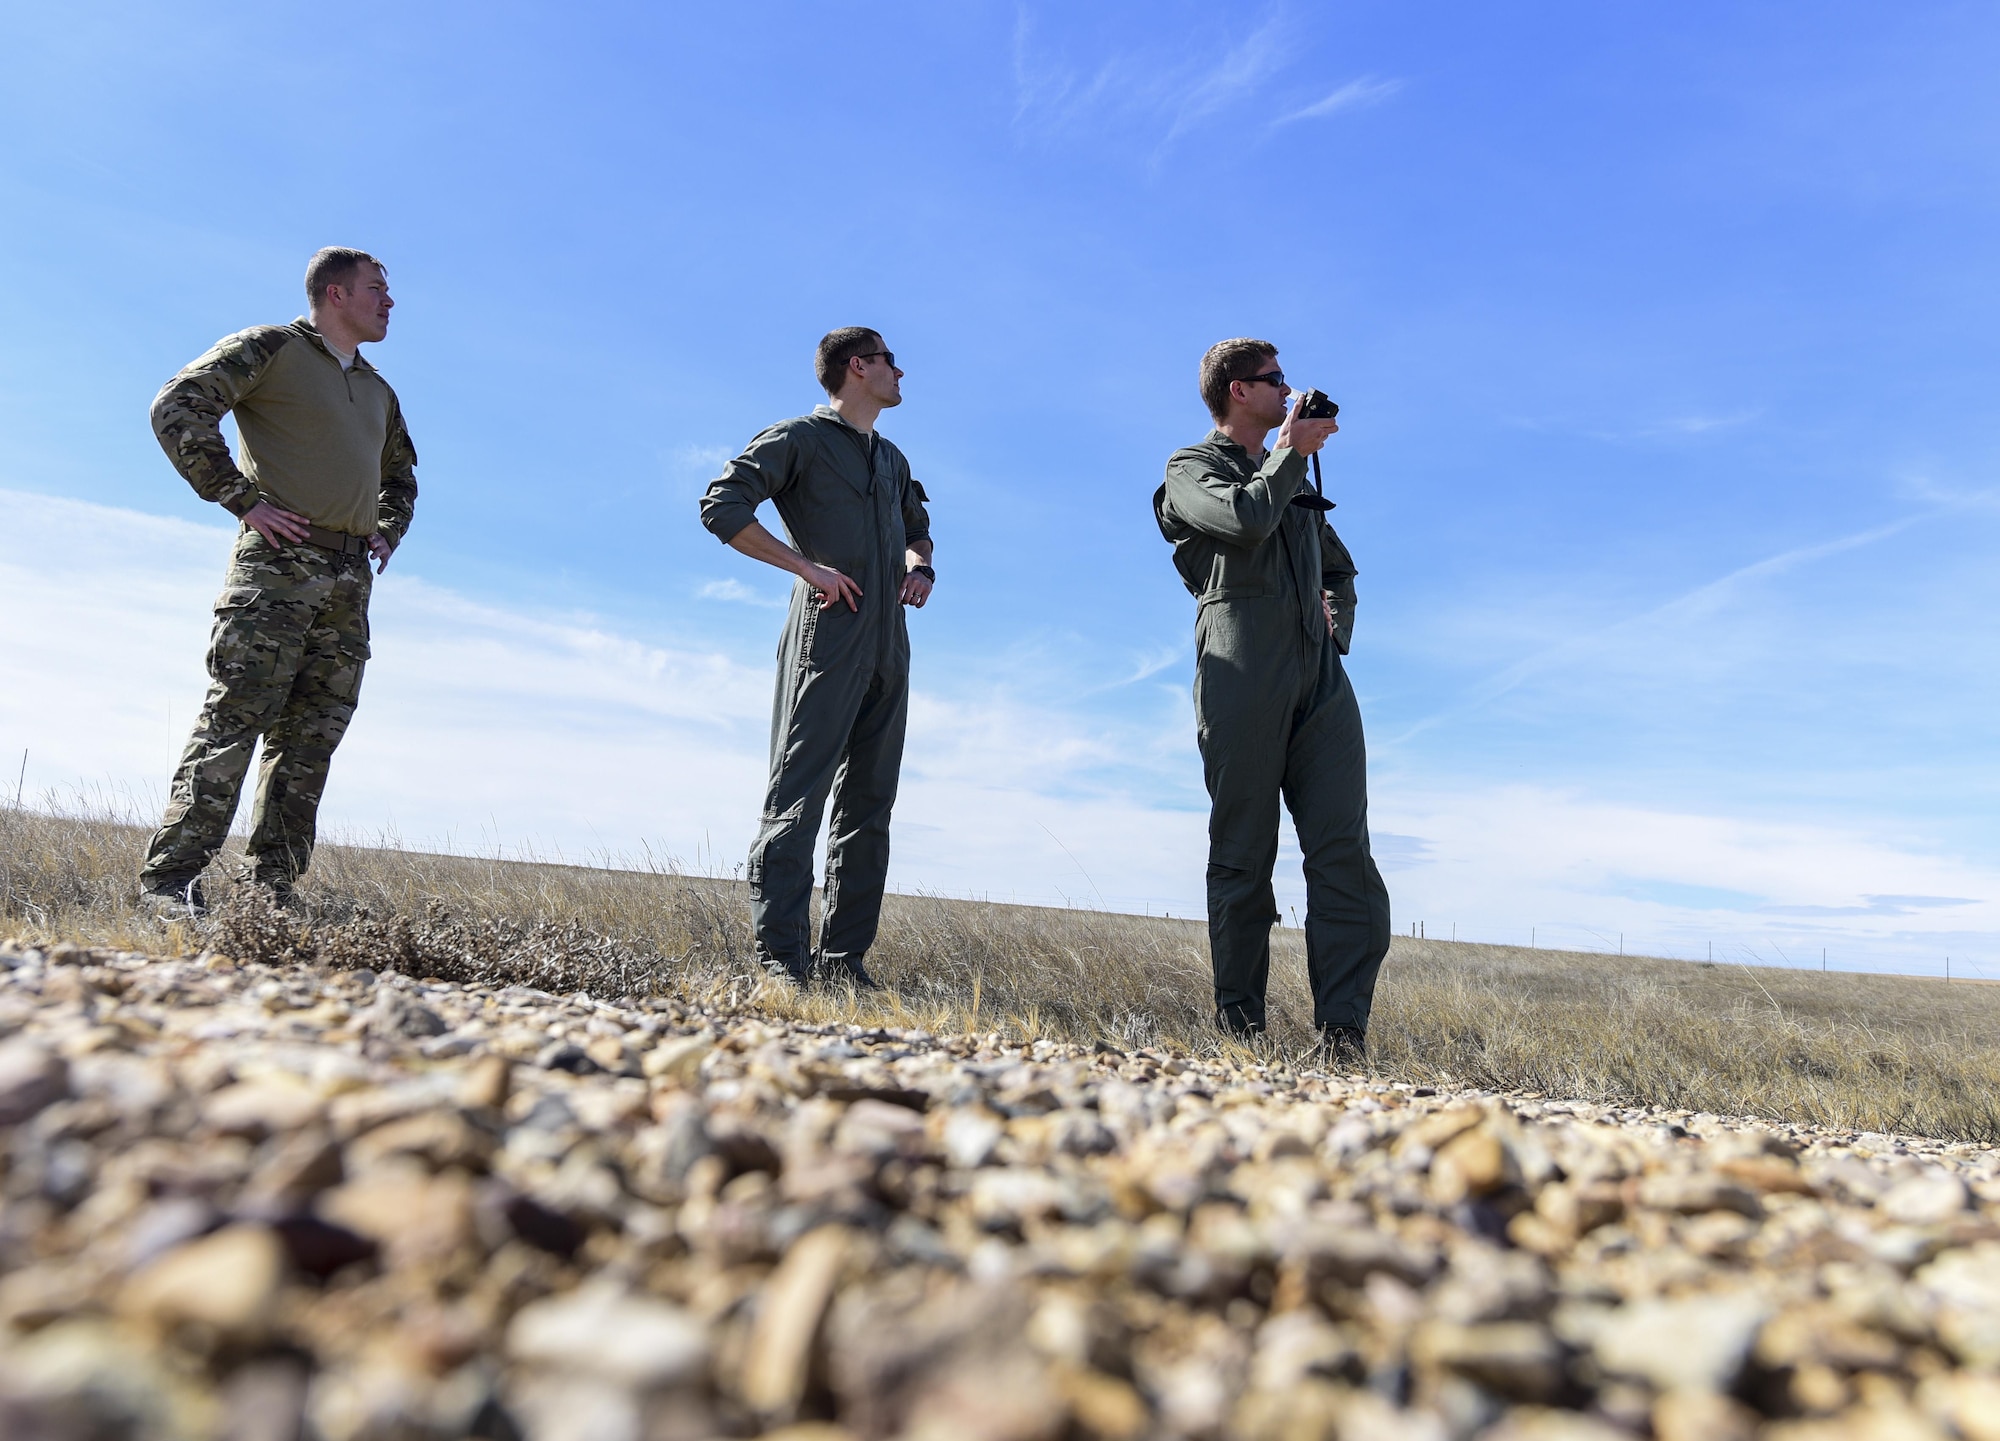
<point>255,1202</point>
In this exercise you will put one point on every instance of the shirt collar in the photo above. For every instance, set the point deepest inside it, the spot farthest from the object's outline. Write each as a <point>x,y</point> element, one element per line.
<point>1220,437</point>
<point>311,332</point>
<point>827,412</point>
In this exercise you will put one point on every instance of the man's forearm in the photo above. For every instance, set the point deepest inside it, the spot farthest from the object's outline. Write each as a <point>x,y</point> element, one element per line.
<point>759,544</point>
<point>921,548</point>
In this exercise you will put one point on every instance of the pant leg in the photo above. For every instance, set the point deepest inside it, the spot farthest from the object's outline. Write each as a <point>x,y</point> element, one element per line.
<point>267,603</point>
<point>864,792</point>
<point>299,746</point>
<point>1347,905</point>
<point>812,714</point>
<point>1244,705</point>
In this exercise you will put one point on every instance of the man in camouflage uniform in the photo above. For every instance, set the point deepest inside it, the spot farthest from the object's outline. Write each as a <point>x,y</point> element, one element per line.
<point>327,482</point>
<point>863,541</point>
<point>1274,710</point>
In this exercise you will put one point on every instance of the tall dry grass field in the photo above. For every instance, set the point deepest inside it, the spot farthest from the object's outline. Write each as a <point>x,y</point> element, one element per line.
<point>1864,1052</point>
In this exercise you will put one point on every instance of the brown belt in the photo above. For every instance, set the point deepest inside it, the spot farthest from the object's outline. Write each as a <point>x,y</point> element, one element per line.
<point>337,540</point>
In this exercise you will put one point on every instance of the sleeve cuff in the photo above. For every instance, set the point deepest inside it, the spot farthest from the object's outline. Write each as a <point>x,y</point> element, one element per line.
<point>725,526</point>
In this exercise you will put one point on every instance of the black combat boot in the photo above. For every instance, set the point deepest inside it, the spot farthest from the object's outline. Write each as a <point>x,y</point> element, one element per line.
<point>1241,1021</point>
<point>784,970</point>
<point>175,900</point>
<point>1344,1048</point>
<point>843,970</point>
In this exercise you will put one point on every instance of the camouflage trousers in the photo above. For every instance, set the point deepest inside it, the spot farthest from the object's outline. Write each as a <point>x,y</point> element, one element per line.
<point>284,663</point>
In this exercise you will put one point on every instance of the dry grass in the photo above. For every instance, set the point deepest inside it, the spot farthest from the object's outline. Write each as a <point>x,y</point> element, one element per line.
<point>1863,1052</point>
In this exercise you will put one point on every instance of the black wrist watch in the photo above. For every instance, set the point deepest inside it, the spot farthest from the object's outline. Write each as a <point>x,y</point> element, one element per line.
<point>926,572</point>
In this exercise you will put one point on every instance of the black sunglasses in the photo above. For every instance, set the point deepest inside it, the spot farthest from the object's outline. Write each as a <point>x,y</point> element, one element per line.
<point>1275,377</point>
<point>888,355</point>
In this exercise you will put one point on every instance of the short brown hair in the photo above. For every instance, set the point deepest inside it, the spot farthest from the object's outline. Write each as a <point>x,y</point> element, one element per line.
<point>1229,360</point>
<point>836,348</point>
<point>335,265</point>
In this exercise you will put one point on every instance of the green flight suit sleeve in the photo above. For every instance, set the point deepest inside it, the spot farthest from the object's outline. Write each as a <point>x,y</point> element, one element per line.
<point>916,518</point>
<point>1336,579</point>
<point>188,411</point>
<point>396,506</point>
<point>1243,513</point>
<point>769,466</point>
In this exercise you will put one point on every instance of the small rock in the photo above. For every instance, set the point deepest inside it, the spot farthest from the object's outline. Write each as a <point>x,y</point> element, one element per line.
<point>487,1083</point>
<point>1970,1403</point>
<point>438,1138</point>
<point>1696,1343</point>
<point>505,1212</point>
<point>414,1218</point>
<point>302,1166</point>
<point>266,1400</point>
<point>1691,1193</point>
<point>1519,1359</point>
<point>167,1223</point>
<point>320,1248</point>
<point>600,1330</point>
<point>969,1135</point>
<point>677,1060</point>
<point>1473,1163</point>
<point>1296,1345</point>
<point>395,1017</point>
<point>260,1108</point>
<point>788,1317</point>
<point>31,1078</point>
<point>1536,1423</point>
<point>565,1056</point>
<point>1702,1416</point>
<point>876,1128</point>
<point>1928,1199</point>
<point>1964,1288</point>
<point>1106,1406</point>
<point>228,1281</point>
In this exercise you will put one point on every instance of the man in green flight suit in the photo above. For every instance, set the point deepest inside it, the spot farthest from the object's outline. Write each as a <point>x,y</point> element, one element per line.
<point>863,551</point>
<point>327,483</point>
<point>1275,714</point>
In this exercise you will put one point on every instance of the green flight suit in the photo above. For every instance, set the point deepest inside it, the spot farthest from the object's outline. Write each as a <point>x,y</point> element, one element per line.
<point>848,501</point>
<point>1275,718</point>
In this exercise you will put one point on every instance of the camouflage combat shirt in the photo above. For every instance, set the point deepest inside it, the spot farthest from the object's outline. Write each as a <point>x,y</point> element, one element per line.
<point>325,442</point>
<point>1237,536</point>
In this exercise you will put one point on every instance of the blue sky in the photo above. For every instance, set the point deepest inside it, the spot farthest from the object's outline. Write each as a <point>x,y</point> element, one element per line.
<point>1663,340</point>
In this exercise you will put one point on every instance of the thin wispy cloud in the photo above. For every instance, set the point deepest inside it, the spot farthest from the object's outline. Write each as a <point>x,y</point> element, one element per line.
<point>1675,427</point>
<point>1148,664</point>
<point>1681,614</point>
<point>1240,76</point>
<point>737,593</point>
<point>1150,97</point>
<point>1354,95</point>
<point>1703,424</point>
